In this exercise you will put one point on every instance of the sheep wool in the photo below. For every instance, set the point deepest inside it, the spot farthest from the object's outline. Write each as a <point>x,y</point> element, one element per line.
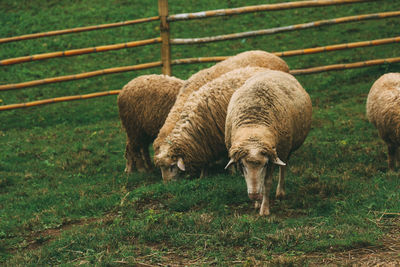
<point>143,105</point>
<point>267,119</point>
<point>383,111</point>
<point>254,58</point>
<point>197,138</point>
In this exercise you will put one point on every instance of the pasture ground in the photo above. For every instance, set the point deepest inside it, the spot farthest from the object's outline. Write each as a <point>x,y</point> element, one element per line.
<point>64,199</point>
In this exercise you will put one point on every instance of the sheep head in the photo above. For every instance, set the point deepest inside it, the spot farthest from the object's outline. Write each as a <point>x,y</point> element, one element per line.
<point>253,160</point>
<point>170,165</point>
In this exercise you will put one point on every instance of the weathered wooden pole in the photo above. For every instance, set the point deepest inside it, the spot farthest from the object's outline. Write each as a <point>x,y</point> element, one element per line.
<point>165,44</point>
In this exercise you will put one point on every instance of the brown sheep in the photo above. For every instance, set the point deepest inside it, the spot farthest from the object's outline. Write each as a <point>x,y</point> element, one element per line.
<point>143,104</point>
<point>254,58</point>
<point>268,118</point>
<point>383,110</point>
<point>198,136</point>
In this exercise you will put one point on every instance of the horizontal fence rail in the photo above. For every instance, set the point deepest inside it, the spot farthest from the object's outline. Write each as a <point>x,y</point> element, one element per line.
<point>285,28</point>
<point>80,76</point>
<point>76,52</point>
<point>58,99</point>
<point>329,48</point>
<point>195,60</point>
<point>360,64</point>
<point>258,8</point>
<point>76,30</point>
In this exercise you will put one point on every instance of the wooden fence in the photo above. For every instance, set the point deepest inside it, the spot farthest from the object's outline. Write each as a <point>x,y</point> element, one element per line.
<point>166,42</point>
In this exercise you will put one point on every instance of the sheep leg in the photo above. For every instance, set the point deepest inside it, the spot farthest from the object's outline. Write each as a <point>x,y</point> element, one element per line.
<point>128,157</point>
<point>280,189</point>
<point>391,156</point>
<point>137,158</point>
<point>146,158</point>
<point>203,172</point>
<point>264,210</point>
<point>397,157</point>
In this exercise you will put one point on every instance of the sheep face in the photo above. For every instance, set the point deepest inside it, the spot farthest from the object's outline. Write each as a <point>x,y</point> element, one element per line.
<point>169,173</point>
<point>170,166</point>
<point>253,164</point>
<point>254,168</point>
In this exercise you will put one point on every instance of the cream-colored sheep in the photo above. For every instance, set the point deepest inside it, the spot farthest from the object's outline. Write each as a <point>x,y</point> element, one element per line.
<point>383,110</point>
<point>198,136</point>
<point>143,104</point>
<point>255,58</point>
<point>267,119</point>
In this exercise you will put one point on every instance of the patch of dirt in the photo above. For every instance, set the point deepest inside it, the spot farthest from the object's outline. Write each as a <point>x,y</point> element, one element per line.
<point>37,239</point>
<point>385,254</point>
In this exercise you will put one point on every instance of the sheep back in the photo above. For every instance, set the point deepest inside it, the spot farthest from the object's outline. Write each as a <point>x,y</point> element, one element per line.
<point>274,100</point>
<point>143,105</point>
<point>145,101</point>
<point>383,107</point>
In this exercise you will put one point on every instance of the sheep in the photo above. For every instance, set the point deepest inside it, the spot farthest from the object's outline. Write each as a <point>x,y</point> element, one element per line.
<point>143,105</point>
<point>197,138</point>
<point>254,58</point>
<point>267,119</point>
<point>383,111</point>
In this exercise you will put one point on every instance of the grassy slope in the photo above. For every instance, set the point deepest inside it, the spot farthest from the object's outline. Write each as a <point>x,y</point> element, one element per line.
<point>64,197</point>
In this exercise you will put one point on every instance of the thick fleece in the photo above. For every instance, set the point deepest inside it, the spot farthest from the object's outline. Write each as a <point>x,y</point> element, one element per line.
<point>383,110</point>
<point>255,58</point>
<point>198,135</point>
<point>268,118</point>
<point>144,104</point>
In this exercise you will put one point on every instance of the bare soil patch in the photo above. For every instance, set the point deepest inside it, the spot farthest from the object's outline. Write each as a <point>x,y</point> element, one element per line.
<point>387,253</point>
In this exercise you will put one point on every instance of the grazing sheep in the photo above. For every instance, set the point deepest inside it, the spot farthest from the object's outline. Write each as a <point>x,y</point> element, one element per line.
<point>198,136</point>
<point>143,105</point>
<point>267,119</point>
<point>383,110</point>
<point>254,58</point>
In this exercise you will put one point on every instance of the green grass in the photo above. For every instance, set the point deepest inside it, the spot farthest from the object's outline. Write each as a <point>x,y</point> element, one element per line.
<point>64,199</point>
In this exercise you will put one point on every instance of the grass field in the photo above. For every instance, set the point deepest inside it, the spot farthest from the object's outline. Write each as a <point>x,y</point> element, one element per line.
<point>64,199</point>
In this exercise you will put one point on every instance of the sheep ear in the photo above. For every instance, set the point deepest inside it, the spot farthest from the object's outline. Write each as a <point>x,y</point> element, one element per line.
<point>279,162</point>
<point>181,165</point>
<point>231,161</point>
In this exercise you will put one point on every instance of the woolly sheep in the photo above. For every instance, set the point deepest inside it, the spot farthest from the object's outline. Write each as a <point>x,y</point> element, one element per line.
<point>143,105</point>
<point>254,58</point>
<point>198,136</point>
<point>383,110</point>
<point>267,119</point>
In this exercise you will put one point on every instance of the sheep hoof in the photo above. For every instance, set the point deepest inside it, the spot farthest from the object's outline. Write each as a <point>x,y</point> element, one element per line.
<point>280,195</point>
<point>128,170</point>
<point>203,173</point>
<point>264,212</point>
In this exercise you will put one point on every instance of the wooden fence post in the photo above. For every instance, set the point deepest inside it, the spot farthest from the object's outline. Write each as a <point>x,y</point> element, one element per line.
<point>165,45</point>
